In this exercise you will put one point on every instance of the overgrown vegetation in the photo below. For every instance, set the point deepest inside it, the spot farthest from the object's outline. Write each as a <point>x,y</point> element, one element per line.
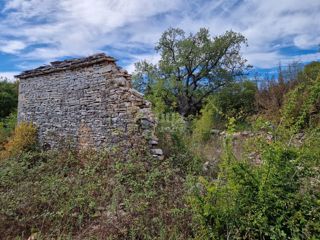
<point>243,164</point>
<point>7,126</point>
<point>8,97</point>
<point>106,195</point>
<point>276,198</point>
<point>302,103</point>
<point>22,140</point>
<point>191,68</point>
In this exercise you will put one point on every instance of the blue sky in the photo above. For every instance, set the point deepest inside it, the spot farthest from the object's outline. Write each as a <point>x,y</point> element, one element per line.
<point>36,32</point>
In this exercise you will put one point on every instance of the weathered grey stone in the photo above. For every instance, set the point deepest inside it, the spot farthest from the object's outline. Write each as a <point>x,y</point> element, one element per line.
<point>215,131</point>
<point>159,157</point>
<point>153,142</point>
<point>157,151</point>
<point>87,102</point>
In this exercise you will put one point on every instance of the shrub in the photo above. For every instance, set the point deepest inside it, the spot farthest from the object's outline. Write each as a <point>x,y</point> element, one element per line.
<point>302,104</point>
<point>204,124</point>
<point>7,126</point>
<point>270,96</point>
<point>24,139</point>
<point>175,140</point>
<point>237,100</point>
<point>277,198</point>
<point>8,97</point>
<point>92,195</point>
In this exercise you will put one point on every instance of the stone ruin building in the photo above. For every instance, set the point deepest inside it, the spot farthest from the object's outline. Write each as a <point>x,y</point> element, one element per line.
<point>87,102</point>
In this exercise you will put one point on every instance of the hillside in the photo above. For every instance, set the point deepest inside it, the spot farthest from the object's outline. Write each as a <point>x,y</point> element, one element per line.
<point>191,145</point>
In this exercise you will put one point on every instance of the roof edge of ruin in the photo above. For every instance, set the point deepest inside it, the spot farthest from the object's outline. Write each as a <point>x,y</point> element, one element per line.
<point>66,65</point>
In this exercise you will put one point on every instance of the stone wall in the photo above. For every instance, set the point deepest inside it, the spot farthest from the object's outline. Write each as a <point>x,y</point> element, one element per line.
<point>86,102</point>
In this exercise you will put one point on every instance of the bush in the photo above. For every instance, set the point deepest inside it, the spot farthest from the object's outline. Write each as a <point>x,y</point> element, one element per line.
<point>92,195</point>
<point>274,198</point>
<point>204,124</point>
<point>7,126</point>
<point>8,97</point>
<point>270,96</point>
<point>237,100</point>
<point>24,139</point>
<point>302,104</point>
<point>175,140</point>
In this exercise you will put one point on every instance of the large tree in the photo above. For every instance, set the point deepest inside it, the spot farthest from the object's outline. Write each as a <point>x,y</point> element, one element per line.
<point>191,68</point>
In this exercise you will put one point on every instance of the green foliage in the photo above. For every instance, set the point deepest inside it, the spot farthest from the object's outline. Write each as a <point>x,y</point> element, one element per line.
<point>310,71</point>
<point>270,191</point>
<point>191,68</point>
<point>171,123</point>
<point>237,100</point>
<point>90,195</point>
<point>23,139</point>
<point>159,97</point>
<point>8,97</point>
<point>7,126</point>
<point>151,196</point>
<point>44,197</point>
<point>204,124</point>
<point>271,93</point>
<point>175,140</point>
<point>276,198</point>
<point>302,104</point>
<point>155,91</point>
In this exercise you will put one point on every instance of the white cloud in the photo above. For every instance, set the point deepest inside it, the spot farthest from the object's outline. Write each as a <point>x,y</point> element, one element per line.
<point>8,75</point>
<point>263,59</point>
<point>151,58</point>
<point>72,27</point>
<point>56,28</point>
<point>305,41</point>
<point>304,58</point>
<point>272,59</point>
<point>11,46</point>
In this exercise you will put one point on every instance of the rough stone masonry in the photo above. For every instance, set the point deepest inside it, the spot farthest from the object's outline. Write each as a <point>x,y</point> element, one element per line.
<point>86,102</point>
